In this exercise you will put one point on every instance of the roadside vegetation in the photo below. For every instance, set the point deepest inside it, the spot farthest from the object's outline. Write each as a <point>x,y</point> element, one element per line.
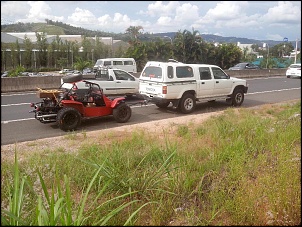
<point>242,167</point>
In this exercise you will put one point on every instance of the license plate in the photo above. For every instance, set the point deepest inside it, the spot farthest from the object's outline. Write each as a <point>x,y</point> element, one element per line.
<point>150,89</point>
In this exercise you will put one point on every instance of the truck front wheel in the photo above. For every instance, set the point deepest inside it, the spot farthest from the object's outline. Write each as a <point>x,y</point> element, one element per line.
<point>237,97</point>
<point>68,119</point>
<point>122,113</point>
<point>187,103</point>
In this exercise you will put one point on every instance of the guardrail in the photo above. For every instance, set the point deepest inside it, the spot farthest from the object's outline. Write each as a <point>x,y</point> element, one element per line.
<point>25,83</point>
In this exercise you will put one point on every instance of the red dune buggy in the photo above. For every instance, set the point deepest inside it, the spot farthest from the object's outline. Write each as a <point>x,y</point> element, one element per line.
<point>68,107</point>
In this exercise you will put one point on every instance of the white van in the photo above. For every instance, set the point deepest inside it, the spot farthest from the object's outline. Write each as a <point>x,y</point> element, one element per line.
<point>127,64</point>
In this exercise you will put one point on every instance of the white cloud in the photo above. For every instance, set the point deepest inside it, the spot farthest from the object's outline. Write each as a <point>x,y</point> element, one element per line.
<point>164,21</point>
<point>283,13</point>
<point>81,17</point>
<point>186,13</point>
<point>14,9</point>
<point>227,11</point>
<point>121,23</point>
<point>159,9</point>
<point>35,11</point>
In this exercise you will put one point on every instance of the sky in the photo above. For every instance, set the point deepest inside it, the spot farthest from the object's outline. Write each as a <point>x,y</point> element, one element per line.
<point>260,20</point>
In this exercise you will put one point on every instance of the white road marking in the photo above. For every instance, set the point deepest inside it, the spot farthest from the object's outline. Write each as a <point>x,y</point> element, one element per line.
<point>17,104</point>
<point>262,92</point>
<point>26,119</point>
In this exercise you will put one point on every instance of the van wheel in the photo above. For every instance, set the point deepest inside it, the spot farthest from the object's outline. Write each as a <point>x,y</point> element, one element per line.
<point>68,119</point>
<point>162,105</point>
<point>187,103</point>
<point>237,97</point>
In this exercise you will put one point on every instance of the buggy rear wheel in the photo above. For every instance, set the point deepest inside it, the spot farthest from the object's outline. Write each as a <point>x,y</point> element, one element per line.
<point>122,113</point>
<point>68,119</point>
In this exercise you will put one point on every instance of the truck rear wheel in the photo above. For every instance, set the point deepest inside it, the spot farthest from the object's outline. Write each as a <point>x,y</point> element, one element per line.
<point>122,113</point>
<point>187,103</point>
<point>68,119</point>
<point>237,97</point>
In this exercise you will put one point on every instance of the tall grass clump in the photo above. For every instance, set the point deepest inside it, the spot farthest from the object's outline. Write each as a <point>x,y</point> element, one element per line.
<point>58,208</point>
<point>256,155</point>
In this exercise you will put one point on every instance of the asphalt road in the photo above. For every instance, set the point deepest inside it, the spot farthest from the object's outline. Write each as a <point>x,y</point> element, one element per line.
<point>18,125</point>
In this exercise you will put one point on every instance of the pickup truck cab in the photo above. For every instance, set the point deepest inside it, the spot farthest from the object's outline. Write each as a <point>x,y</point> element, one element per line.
<point>112,81</point>
<point>184,84</point>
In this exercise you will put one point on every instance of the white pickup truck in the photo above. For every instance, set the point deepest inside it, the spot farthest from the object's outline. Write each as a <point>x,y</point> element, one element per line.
<point>112,81</point>
<point>184,84</point>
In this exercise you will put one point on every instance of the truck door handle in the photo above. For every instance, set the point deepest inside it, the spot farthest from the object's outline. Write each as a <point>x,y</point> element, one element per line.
<point>217,82</point>
<point>118,82</point>
<point>202,82</point>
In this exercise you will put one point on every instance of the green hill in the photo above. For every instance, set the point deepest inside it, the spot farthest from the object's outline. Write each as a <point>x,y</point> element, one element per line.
<point>49,29</point>
<point>33,27</point>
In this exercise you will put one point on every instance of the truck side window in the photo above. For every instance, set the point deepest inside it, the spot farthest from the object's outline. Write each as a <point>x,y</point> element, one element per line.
<point>102,75</point>
<point>205,73</point>
<point>120,75</point>
<point>184,72</point>
<point>219,74</point>
<point>170,72</point>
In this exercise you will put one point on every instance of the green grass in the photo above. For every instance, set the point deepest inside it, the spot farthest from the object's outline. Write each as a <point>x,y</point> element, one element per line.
<point>240,168</point>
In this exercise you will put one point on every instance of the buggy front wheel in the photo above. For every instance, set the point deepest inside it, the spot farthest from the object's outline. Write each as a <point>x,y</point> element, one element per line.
<point>122,113</point>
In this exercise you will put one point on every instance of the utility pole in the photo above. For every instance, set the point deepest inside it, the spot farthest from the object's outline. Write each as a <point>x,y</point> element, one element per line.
<point>296,51</point>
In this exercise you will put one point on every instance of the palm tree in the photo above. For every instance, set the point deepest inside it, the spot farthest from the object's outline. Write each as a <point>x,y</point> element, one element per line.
<point>133,31</point>
<point>80,64</point>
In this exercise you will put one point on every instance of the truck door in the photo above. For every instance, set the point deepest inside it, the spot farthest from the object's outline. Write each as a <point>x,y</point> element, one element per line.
<point>125,83</point>
<point>205,84</point>
<point>222,82</point>
<point>106,82</point>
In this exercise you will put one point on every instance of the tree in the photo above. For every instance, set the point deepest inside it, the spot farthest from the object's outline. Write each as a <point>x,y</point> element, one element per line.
<point>138,51</point>
<point>133,31</point>
<point>81,64</point>
<point>228,55</point>
<point>42,48</point>
<point>187,46</point>
<point>28,46</point>
<point>158,50</point>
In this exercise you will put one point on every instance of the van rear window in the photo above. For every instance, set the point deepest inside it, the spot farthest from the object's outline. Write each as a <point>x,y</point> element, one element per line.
<point>107,63</point>
<point>152,72</point>
<point>117,63</point>
<point>128,62</point>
